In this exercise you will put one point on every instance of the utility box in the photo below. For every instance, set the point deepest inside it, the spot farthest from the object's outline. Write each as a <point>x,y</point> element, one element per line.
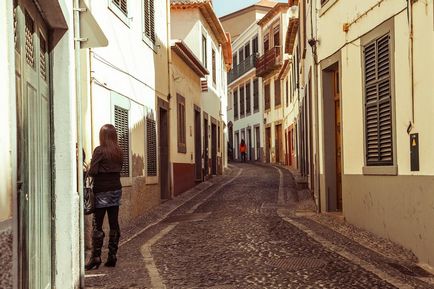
<point>414,151</point>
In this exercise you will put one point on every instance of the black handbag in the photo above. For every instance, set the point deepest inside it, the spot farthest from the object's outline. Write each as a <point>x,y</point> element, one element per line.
<point>88,197</point>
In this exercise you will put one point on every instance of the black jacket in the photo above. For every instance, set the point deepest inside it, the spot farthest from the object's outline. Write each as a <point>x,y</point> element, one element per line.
<point>105,172</point>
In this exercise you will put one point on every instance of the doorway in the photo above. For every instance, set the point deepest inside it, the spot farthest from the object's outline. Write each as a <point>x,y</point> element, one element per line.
<point>249,144</point>
<point>213,148</point>
<point>267,144</point>
<point>197,144</point>
<point>332,138</point>
<point>231,141</point>
<point>164,150</point>
<point>205,147</point>
<point>33,147</point>
<point>258,143</point>
<point>278,143</point>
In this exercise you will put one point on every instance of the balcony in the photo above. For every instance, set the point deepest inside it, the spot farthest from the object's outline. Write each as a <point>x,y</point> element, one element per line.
<point>270,62</point>
<point>243,67</point>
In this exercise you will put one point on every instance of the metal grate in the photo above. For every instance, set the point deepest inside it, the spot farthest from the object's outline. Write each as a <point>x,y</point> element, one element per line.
<point>296,263</point>
<point>43,58</point>
<point>151,145</point>
<point>121,124</point>
<point>30,50</point>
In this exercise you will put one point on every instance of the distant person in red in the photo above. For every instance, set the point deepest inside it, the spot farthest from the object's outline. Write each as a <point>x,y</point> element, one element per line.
<point>243,149</point>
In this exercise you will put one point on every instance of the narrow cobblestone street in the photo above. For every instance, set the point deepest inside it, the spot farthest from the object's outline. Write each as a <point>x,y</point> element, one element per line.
<point>242,230</point>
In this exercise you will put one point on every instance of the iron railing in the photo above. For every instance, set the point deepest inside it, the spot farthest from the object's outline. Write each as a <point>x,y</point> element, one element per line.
<point>269,61</point>
<point>243,67</point>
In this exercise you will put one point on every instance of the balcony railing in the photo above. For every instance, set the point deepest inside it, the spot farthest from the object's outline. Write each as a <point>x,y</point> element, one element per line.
<point>269,62</point>
<point>243,67</point>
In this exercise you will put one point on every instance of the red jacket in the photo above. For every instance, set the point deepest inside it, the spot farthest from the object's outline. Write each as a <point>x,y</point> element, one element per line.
<point>242,148</point>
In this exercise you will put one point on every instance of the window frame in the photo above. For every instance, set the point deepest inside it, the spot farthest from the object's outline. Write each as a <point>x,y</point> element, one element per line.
<point>377,33</point>
<point>124,17</point>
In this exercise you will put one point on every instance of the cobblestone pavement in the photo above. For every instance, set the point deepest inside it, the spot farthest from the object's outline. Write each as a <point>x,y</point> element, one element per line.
<point>244,232</point>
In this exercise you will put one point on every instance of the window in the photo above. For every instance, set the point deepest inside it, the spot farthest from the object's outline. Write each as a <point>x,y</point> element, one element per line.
<point>255,95</point>
<point>214,68</point>
<point>255,45</point>
<point>122,5</point>
<point>266,42</point>
<point>121,124</point>
<point>151,145</point>
<point>287,91</point>
<point>149,19</point>
<point>204,51</point>
<point>324,2</point>
<point>247,50</point>
<point>242,99</point>
<point>378,102</point>
<point>248,98</point>
<point>241,54</point>
<point>236,103</point>
<point>267,96</point>
<point>182,143</point>
<point>276,37</point>
<point>234,59</point>
<point>277,94</point>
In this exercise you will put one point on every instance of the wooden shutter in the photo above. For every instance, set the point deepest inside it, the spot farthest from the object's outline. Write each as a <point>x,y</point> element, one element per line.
<point>236,103</point>
<point>378,104</point>
<point>149,15</point>
<point>182,135</point>
<point>277,96</point>
<point>242,96</point>
<point>248,99</point>
<point>122,4</point>
<point>151,146</point>
<point>267,96</point>
<point>255,95</point>
<point>214,67</point>
<point>121,124</point>
<point>30,49</point>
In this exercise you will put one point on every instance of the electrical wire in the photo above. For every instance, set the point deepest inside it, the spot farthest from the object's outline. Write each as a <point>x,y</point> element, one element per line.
<point>111,65</point>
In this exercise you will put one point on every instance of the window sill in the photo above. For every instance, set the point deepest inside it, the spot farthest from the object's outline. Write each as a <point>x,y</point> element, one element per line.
<point>380,170</point>
<point>149,43</point>
<point>126,181</point>
<point>121,15</point>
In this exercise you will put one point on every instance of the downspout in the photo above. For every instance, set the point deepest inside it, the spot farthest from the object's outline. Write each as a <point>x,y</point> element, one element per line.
<point>77,47</point>
<point>169,64</point>
<point>411,61</point>
<point>316,106</point>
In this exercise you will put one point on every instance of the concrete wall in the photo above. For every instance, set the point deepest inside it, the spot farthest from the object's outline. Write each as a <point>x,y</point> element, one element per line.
<point>130,79</point>
<point>397,207</point>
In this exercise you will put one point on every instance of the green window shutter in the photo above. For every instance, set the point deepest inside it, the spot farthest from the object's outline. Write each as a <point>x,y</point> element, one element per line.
<point>121,124</point>
<point>151,145</point>
<point>378,104</point>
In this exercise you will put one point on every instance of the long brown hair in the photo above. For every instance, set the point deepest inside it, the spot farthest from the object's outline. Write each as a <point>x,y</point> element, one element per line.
<point>108,139</point>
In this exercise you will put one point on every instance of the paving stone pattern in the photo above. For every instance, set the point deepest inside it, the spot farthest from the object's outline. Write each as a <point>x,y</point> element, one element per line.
<point>235,239</point>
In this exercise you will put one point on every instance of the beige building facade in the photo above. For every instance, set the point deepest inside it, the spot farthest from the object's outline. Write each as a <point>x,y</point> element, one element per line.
<point>375,117</point>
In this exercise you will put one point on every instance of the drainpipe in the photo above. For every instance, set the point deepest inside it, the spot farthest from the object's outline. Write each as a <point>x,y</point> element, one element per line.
<point>169,64</point>
<point>77,47</point>
<point>316,109</point>
<point>411,60</point>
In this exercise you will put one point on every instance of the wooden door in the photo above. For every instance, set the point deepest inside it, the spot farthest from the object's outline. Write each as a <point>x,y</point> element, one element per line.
<point>338,139</point>
<point>258,143</point>
<point>278,143</point>
<point>197,145</point>
<point>33,147</point>
<point>249,143</point>
<point>164,154</point>
<point>205,148</point>
<point>213,149</point>
<point>267,144</point>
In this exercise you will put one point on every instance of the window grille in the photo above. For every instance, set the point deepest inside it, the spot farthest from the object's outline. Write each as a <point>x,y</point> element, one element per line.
<point>121,124</point>
<point>378,104</point>
<point>122,5</point>
<point>30,50</point>
<point>43,57</point>
<point>149,15</point>
<point>151,145</point>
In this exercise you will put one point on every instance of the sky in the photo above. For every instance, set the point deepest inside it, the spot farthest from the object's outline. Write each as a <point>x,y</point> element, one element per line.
<point>223,7</point>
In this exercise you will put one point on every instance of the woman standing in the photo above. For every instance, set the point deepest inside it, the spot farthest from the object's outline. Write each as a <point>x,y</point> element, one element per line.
<point>105,169</point>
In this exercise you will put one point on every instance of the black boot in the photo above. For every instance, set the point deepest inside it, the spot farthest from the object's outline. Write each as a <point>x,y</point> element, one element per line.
<point>113,248</point>
<point>95,259</point>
